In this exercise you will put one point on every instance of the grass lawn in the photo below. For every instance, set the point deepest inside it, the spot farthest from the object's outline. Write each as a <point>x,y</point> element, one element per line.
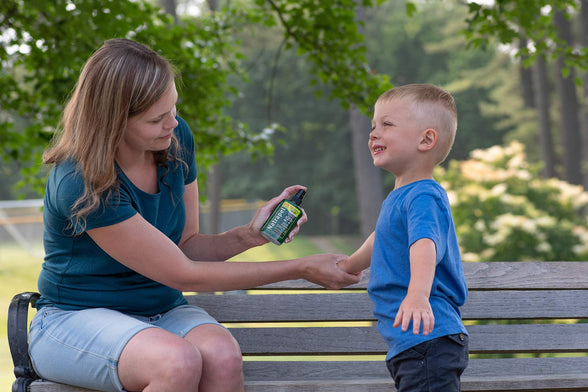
<point>19,270</point>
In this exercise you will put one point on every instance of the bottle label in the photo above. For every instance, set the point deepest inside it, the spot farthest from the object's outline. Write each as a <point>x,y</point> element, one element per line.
<point>281,222</point>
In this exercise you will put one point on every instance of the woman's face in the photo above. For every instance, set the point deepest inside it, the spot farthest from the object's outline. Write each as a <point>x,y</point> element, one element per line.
<point>152,129</point>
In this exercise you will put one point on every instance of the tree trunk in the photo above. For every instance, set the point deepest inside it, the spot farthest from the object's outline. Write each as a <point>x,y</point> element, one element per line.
<point>526,75</point>
<point>215,179</point>
<point>215,183</point>
<point>584,42</point>
<point>541,87</point>
<point>169,6</point>
<point>569,109</point>
<point>369,186</point>
<point>368,178</point>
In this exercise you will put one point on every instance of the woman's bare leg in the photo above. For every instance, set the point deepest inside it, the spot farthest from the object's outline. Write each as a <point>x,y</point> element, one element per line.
<point>159,361</point>
<point>222,363</point>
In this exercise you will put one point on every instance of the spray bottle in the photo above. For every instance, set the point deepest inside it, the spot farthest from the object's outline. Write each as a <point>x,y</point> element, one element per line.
<point>283,219</point>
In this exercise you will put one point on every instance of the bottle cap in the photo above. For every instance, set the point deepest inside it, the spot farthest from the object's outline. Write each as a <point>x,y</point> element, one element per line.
<point>297,198</point>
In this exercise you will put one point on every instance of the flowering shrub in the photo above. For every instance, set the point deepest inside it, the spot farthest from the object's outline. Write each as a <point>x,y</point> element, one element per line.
<point>503,210</point>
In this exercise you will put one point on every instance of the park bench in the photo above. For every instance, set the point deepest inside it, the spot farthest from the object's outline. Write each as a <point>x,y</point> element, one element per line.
<point>528,325</point>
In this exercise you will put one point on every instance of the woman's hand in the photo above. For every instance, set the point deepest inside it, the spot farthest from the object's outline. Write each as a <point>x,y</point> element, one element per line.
<point>265,211</point>
<point>322,269</point>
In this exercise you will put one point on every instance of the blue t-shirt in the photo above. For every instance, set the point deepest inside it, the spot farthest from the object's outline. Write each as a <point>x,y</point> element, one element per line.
<point>76,273</point>
<point>412,212</point>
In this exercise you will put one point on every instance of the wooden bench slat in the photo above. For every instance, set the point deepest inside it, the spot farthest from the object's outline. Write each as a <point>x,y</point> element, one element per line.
<point>305,340</point>
<point>48,386</point>
<point>545,304</point>
<point>532,374</point>
<point>521,338</point>
<point>532,275</point>
<point>528,338</point>
<point>498,275</point>
<point>481,305</point>
<point>477,368</point>
<point>351,385</point>
<point>287,307</point>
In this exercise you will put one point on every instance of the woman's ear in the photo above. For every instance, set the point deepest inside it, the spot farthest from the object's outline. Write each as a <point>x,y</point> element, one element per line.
<point>428,140</point>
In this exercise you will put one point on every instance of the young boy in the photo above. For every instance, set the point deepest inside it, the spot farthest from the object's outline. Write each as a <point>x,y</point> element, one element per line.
<point>416,272</point>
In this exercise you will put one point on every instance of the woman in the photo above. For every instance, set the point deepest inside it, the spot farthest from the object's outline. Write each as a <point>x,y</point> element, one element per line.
<point>122,243</point>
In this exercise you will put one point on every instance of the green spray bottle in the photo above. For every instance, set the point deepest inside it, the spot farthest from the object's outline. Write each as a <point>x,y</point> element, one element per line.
<point>283,219</point>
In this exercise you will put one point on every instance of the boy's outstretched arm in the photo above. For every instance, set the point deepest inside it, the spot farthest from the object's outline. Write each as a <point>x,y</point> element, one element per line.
<point>360,259</point>
<point>416,306</point>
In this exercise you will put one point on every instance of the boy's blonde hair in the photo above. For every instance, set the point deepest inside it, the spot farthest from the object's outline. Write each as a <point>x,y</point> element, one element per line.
<point>432,107</point>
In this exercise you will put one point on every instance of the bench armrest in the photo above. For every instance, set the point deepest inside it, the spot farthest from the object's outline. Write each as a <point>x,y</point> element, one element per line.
<point>18,338</point>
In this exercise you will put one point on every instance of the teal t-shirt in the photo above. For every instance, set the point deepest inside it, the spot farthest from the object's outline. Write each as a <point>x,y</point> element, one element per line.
<point>76,273</point>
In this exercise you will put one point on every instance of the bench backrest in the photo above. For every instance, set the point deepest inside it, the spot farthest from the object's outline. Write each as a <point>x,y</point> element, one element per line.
<point>297,337</point>
<point>503,298</point>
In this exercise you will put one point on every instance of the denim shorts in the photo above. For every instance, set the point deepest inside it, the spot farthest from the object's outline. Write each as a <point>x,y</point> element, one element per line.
<point>82,347</point>
<point>432,366</point>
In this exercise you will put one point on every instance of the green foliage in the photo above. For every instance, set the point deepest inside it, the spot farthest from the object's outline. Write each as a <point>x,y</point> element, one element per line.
<point>316,149</point>
<point>46,43</point>
<point>503,210</point>
<point>508,20</point>
<point>327,33</point>
<point>429,47</point>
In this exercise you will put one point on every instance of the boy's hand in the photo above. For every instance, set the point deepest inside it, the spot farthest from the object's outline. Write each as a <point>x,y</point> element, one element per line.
<point>418,309</point>
<point>323,269</point>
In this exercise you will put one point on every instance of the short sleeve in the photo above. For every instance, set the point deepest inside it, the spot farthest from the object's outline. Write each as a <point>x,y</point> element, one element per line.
<point>114,208</point>
<point>426,219</point>
<point>186,150</point>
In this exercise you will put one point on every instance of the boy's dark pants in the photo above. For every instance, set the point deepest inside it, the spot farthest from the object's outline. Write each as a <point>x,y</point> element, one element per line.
<point>432,366</point>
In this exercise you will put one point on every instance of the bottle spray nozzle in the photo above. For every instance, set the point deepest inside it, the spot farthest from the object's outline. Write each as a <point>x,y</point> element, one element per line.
<point>297,198</point>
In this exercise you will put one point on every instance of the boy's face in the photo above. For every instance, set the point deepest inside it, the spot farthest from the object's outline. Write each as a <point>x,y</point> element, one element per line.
<point>395,136</point>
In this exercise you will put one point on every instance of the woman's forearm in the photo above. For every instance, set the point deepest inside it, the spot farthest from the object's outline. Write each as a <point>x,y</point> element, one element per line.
<point>220,247</point>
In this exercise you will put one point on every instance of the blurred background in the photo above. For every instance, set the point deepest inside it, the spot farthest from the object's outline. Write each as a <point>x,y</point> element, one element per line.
<point>281,92</point>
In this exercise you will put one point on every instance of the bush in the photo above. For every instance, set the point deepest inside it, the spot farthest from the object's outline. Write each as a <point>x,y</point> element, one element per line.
<point>503,210</point>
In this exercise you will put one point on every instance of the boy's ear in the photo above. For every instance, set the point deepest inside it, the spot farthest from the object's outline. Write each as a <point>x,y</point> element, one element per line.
<point>428,140</point>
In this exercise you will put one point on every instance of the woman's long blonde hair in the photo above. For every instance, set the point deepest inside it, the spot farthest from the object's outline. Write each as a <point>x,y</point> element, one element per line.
<point>121,79</point>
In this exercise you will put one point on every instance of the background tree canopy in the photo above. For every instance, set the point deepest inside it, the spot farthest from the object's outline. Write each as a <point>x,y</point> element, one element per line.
<point>268,76</point>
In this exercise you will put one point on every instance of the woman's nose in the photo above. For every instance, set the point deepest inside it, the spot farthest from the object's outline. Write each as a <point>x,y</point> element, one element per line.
<point>171,121</point>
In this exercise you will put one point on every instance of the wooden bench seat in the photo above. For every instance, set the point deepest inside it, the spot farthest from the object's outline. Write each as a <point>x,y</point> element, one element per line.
<point>297,338</point>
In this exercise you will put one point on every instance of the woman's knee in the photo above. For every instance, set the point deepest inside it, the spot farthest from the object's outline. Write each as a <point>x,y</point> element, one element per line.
<point>182,359</point>
<point>161,360</point>
<point>227,356</point>
<point>221,354</point>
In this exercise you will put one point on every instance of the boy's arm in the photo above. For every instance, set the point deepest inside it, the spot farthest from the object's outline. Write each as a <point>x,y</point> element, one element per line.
<point>416,306</point>
<point>360,259</point>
